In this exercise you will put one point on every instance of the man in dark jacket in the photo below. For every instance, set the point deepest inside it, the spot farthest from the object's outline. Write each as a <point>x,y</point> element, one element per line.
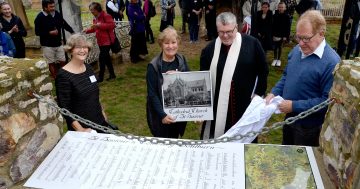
<point>238,71</point>
<point>48,25</point>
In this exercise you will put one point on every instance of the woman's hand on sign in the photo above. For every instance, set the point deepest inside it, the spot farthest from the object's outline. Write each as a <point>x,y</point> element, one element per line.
<point>77,126</point>
<point>168,119</point>
<point>172,71</point>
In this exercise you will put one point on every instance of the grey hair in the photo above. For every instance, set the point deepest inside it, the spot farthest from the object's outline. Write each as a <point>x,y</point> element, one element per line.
<point>74,40</point>
<point>226,18</point>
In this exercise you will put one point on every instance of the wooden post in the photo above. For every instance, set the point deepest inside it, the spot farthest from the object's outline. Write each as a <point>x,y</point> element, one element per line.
<point>19,10</point>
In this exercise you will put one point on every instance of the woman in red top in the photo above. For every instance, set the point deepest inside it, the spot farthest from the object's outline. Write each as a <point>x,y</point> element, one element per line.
<point>103,26</point>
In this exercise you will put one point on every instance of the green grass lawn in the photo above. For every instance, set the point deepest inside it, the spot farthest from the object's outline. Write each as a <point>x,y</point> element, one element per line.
<point>124,99</point>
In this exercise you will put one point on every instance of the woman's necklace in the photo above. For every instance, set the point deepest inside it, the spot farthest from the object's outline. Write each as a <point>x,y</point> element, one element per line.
<point>166,59</point>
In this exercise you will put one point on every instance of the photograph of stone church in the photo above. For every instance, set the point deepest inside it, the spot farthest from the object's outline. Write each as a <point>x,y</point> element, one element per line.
<point>187,89</point>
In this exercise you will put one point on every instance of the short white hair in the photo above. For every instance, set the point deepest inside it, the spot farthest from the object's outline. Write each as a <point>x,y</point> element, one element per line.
<point>226,18</point>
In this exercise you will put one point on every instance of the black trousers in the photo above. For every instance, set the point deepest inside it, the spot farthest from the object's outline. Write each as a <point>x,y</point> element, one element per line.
<point>148,31</point>
<point>184,16</point>
<point>20,47</point>
<point>298,134</point>
<point>105,59</point>
<point>138,46</point>
<point>210,21</point>
<point>277,49</point>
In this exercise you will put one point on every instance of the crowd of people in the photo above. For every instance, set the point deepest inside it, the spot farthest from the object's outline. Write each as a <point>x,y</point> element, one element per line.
<point>192,12</point>
<point>236,61</point>
<point>273,22</point>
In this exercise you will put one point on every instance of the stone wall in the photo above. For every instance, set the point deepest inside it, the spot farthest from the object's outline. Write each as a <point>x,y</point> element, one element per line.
<point>340,136</point>
<point>29,129</point>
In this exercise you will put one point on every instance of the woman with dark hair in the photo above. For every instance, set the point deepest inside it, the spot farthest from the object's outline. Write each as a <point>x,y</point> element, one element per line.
<point>77,88</point>
<point>194,20</point>
<point>138,49</point>
<point>264,26</point>
<point>13,25</point>
<point>103,26</point>
<point>168,61</point>
<point>149,12</point>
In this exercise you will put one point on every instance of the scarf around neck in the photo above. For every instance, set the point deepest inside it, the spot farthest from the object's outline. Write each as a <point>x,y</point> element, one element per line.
<point>223,99</point>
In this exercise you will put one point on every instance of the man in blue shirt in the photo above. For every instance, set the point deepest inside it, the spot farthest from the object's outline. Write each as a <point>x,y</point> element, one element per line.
<point>306,80</point>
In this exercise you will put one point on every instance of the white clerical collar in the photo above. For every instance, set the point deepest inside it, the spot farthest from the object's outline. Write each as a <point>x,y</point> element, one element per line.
<point>45,13</point>
<point>319,51</point>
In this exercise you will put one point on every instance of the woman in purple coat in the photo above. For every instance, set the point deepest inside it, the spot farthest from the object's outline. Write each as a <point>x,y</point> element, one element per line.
<point>138,48</point>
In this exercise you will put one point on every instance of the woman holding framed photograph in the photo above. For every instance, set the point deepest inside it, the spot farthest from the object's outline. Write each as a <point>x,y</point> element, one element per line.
<point>168,61</point>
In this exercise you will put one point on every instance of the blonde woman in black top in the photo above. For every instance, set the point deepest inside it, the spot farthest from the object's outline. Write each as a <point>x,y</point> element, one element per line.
<point>13,25</point>
<point>167,61</point>
<point>77,86</point>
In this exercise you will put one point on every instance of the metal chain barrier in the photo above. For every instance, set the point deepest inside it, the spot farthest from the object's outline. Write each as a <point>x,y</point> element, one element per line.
<point>180,142</point>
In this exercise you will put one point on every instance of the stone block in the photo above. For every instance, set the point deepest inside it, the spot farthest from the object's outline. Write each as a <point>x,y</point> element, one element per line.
<point>7,146</point>
<point>47,111</point>
<point>25,139</point>
<point>4,110</point>
<point>355,146</point>
<point>340,138</point>
<point>17,125</point>
<point>41,143</point>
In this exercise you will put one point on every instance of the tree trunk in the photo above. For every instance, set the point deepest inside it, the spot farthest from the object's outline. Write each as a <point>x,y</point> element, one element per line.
<point>19,10</point>
<point>234,6</point>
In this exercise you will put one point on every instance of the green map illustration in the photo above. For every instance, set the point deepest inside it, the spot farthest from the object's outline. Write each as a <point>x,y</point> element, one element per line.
<point>283,167</point>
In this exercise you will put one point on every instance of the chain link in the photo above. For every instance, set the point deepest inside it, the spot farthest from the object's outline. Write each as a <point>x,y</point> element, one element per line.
<point>181,142</point>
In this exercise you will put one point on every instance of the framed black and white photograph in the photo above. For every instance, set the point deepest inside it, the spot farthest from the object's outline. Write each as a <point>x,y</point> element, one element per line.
<point>187,96</point>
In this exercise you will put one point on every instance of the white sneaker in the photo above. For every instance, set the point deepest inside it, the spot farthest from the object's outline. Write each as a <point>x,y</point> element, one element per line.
<point>273,63</point>
<point>278,63</point>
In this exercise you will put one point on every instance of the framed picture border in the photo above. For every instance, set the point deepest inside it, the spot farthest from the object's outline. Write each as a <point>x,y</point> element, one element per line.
<point>200,107</point>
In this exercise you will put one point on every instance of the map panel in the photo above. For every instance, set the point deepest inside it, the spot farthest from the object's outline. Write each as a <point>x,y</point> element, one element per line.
<point>276,166</point>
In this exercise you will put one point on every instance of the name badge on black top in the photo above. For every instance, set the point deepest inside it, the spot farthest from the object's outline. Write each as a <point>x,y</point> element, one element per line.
<point>92,79</point>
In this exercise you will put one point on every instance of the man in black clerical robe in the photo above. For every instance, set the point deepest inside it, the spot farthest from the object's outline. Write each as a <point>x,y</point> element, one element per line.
<point>239,71</point>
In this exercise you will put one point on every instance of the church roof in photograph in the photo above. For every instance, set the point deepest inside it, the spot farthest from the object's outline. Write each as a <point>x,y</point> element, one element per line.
<point>196,83</point>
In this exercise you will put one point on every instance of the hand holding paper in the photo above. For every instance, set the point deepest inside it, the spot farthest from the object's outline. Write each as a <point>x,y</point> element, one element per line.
<point>255,117</point>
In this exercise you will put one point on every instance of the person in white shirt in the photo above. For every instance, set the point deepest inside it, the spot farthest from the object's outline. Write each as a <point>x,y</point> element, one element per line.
<point>115,8</point>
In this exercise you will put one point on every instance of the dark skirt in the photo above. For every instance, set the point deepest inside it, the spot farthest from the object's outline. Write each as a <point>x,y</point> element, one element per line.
<point>174,130</point>
<point>138,45</point>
